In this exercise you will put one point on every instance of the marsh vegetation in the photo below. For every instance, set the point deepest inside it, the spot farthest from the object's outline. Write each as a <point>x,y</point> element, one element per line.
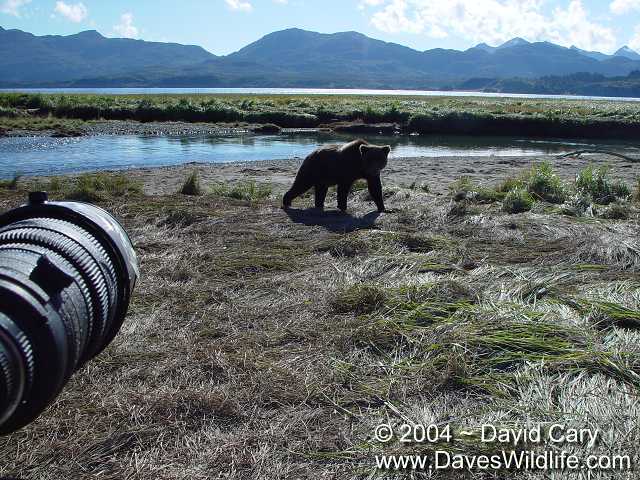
<point>468,115</point>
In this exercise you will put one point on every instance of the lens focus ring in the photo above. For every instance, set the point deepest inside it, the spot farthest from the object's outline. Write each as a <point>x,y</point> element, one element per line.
<point>80,258</point>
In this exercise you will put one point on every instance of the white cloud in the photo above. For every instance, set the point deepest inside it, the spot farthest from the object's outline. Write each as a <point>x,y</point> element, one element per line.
<point>240,5</point>
<point>634,43</point>
<point>73,12</point>
<point>126,28</point>
<point>495,21</point>
<point>620,7</point>
<point>12,7</point>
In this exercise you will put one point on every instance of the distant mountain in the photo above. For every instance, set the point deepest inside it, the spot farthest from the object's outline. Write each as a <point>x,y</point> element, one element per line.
<point>484,47</point>
<point>627,53</point>
<point>596,55</point>
<point>288,58</point>
<point>514,42</point>
<point>575,84</point>
<point>28,59</point>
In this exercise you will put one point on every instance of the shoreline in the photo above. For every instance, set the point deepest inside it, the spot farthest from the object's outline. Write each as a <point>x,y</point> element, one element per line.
<point>435,172</point>
<point>131,127</point>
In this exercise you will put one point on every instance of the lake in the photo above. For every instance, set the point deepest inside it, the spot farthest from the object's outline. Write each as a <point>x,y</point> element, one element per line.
<point>51,156</point>
<point>303,91</point>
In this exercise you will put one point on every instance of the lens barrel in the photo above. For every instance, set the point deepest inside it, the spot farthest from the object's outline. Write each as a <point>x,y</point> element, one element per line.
<point>67,272</point>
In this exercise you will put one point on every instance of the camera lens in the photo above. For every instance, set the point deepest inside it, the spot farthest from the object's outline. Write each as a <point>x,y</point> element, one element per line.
<point>67,271</point>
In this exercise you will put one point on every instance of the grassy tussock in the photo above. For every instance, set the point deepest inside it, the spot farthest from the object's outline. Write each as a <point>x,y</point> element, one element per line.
<point>593,192</point>
<point>518,201</point>
<point>264,346</point>
<point>191,185</point>
<point>596,182</point>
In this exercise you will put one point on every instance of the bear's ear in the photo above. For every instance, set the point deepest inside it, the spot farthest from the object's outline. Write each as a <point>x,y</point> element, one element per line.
<point>364,149</point>
<point>387,149</point>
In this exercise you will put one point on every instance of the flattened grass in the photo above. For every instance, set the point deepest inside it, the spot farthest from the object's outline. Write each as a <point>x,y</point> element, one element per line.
<point>259,347</point>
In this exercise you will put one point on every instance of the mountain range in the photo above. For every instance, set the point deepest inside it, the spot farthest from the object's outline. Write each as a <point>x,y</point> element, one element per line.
<point>288,58</point>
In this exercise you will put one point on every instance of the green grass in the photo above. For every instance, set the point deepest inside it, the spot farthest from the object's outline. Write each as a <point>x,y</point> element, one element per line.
<point>249,191</point>
<point>544,184</point>
<point>518,201</point>
<point>40,123</point>
<point>596,182</point>
<point>91,187</point>
<point>477,116</point>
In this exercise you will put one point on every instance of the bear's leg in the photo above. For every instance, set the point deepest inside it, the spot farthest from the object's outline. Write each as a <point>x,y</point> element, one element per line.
<point>321,194</point>
<point>375,190</point>
<point>343,193</point>
<point>296,190</point>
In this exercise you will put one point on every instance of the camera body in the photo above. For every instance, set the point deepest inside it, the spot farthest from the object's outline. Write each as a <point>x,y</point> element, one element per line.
<point>67,273</point>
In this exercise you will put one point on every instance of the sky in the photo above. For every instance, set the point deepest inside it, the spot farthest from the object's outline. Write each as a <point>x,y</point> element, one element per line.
<point>224,26</point>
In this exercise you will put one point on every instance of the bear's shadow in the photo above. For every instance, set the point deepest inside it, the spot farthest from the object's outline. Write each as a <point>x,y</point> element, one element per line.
<point>333,220</point>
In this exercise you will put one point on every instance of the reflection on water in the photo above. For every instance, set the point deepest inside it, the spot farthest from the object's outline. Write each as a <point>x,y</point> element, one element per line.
<point>49,156</point>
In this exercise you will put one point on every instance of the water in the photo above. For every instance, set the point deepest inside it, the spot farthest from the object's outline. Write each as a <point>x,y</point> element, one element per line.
<point>303,91</point>
<point>51,156</point>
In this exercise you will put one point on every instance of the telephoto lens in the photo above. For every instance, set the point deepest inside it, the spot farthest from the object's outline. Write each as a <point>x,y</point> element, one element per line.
<point>67,272</point>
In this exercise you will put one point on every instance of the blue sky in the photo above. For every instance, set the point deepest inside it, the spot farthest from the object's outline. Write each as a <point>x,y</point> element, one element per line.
<point>223,26</point>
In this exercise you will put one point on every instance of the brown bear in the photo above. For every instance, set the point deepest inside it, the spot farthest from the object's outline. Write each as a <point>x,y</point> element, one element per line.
<point>341,165</point>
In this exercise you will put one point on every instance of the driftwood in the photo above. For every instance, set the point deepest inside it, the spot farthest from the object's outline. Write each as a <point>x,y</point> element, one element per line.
<point>577,153</point>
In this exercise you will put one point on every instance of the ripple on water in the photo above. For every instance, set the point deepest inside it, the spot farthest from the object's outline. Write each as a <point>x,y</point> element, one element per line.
<point>49,156</point>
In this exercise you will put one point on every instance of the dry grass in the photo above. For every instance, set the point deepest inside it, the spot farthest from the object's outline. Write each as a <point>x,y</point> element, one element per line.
<point>265,345</point>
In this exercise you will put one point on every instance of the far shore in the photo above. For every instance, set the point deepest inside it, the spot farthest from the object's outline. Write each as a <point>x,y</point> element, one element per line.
<point>72,115</point>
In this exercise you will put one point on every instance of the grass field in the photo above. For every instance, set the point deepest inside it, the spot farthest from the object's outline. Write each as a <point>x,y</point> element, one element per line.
<point>469,115</point>
<point>266,345</point>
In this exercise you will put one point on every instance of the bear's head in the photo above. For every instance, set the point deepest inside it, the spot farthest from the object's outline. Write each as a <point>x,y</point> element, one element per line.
<point>374,158</point>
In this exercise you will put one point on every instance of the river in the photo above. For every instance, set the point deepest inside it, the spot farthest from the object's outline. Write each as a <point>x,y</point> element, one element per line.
<point>51,156</point>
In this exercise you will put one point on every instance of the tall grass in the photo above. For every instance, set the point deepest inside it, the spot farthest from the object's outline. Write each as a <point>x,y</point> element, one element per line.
<point>544,184</point>
<point>475,116</point>
<point>518,200</point>
<point>596,182</point>
<point>191,185</point>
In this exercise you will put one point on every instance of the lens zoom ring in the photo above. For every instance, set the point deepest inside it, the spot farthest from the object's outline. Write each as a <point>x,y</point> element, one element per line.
<point>79,331</point>
<point>79,257</point>
<point>104,260</point>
